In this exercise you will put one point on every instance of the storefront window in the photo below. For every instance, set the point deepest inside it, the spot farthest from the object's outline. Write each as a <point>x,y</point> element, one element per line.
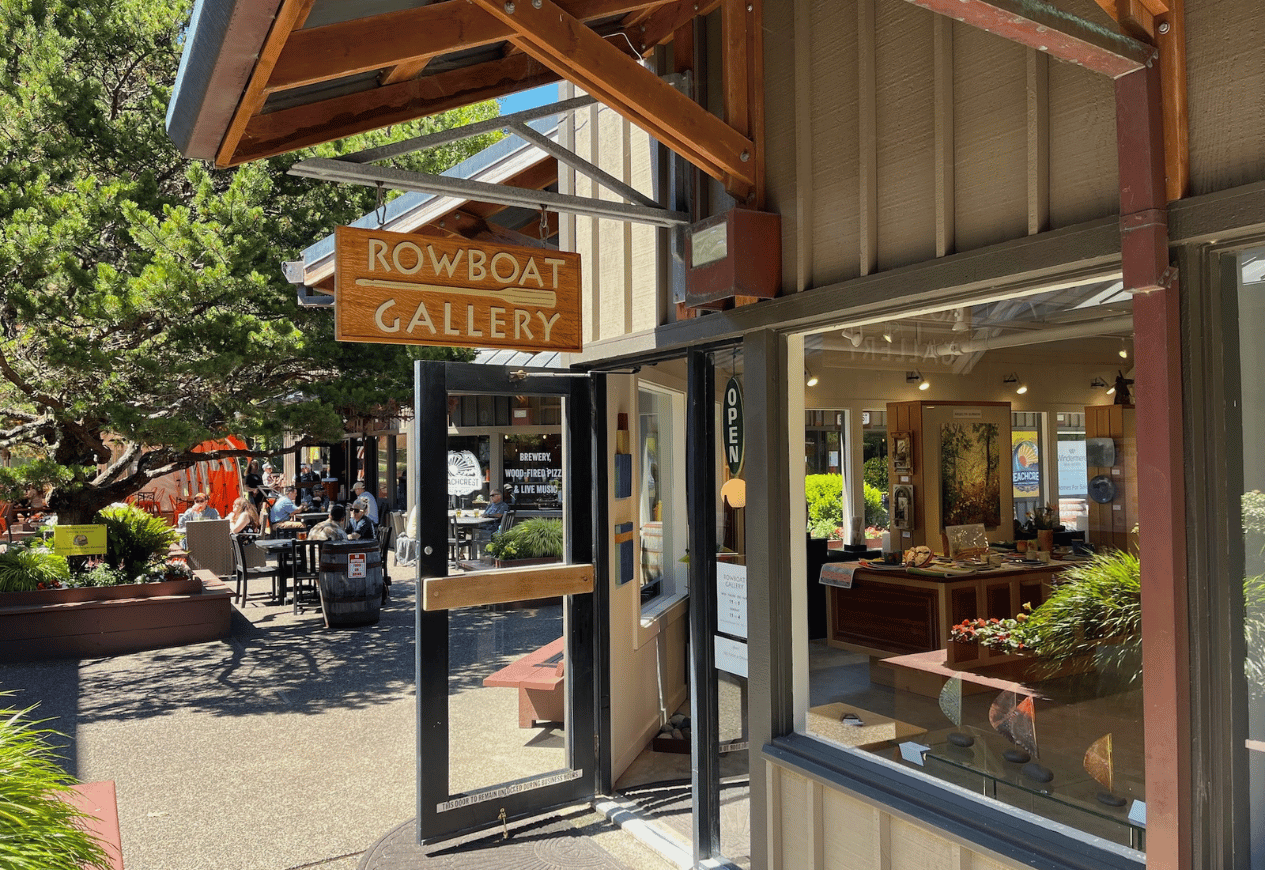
<point>1251,311</point>
<point>970,656</point>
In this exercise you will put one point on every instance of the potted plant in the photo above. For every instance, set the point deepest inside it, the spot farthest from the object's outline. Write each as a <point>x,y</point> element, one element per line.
<point>1043,520</point>
<point>38,828</point>
<point>538,541</point>
<point>134,538</point>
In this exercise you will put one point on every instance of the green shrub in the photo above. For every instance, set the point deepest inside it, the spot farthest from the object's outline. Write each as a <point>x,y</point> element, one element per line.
<point>875,513</point>
<point>38,830</point>
<point>134,538</point>
<point>23,569</point>
<point>535,538</point>
<point>1094,601</point>
<point>824,493</point>
<point>875,473</point>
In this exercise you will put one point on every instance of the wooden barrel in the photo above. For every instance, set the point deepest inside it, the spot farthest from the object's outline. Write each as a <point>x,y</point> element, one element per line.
<point>350,583</point>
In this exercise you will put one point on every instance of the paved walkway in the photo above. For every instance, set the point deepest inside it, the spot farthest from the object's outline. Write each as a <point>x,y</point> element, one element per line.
<point>287,746</point>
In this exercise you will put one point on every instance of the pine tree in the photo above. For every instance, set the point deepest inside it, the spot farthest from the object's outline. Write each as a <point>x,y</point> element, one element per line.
<point>142,307</point>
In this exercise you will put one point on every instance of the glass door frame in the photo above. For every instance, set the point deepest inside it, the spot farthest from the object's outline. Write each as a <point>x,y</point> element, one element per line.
<point>440,815</point>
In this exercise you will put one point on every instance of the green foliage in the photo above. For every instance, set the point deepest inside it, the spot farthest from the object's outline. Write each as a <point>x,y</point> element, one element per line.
<point>824,493</point>
<point>38,830</point>
<point>141,306</point>
<point>1254,634</point>
<point>1099,600</point>
<point>25,569</point>
<point>134,538</point>
<point>102,574</point>
<point>875,473</point>
<point>535,538</point>
<point>875,513</point>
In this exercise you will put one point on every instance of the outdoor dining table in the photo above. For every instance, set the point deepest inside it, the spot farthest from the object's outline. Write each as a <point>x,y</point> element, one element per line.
<point>307,551</point>
<point>468,524</point>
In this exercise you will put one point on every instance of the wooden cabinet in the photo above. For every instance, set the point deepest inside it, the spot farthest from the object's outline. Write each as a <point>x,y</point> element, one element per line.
<point>1112,522</point>
<point>889,613</point>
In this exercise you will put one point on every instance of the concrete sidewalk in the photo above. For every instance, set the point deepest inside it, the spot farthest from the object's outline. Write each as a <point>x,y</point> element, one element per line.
<point>283,746</point>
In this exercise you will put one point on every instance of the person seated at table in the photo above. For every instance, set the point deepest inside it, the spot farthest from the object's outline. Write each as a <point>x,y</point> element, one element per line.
<point>362,528</point>
<point>306,477</point>
<point>243,517</point>
<point>314,499</point>
<point>199,510</point>
<point>330,529</point>
<point>360,492</point>
<point>285,506</point>
<point>496,506</point>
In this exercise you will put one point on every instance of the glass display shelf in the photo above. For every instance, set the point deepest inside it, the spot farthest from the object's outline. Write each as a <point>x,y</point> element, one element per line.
<point>1070,797</point>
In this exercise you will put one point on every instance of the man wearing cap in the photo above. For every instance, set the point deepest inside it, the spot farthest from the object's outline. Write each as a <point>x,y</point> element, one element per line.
<point>362,528</point>
<point>371,509</point>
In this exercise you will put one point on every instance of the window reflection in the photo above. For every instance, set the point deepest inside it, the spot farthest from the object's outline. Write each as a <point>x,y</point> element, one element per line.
<point>1013,668</point>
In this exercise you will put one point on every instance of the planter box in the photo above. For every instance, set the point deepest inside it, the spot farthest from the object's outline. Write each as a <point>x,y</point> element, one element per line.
<point>187,586</point>
<point>97,622</point>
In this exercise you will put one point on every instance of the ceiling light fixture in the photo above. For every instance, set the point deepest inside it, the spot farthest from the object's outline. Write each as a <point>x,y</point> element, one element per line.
<point>1124,351</point>
<point>917,378</point>
<point>1097,383</point>
<point>1013,379</point>
<point>854,337</point>
<point>810,378</point>
<point>887,333</point>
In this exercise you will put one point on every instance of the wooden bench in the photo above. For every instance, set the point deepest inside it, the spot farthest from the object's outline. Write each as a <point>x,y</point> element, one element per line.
<point>540,680</point>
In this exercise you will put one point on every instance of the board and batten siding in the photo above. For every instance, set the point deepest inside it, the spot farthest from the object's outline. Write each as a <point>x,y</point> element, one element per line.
<point>905,136</point>
<point>812,827</point>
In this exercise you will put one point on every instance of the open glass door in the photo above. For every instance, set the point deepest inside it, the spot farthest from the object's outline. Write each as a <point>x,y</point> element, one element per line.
<point>509,720</point>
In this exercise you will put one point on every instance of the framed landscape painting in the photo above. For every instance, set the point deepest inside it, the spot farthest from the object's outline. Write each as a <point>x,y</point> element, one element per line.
<point>970,474</point>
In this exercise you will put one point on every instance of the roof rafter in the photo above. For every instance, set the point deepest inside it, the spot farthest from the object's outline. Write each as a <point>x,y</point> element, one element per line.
<point>409,38</point>
<point>578,54</point>
<point>290,129</point>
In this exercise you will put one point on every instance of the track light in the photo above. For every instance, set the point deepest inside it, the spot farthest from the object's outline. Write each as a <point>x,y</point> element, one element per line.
<point>1013,379</point>
<point>917,378</point>
<point>1097,383</point>
<point>1124,351</point>
<point>855,337</point>
<point>810,379</point>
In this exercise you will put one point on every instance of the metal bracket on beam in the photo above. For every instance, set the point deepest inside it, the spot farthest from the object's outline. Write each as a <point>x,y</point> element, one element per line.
<point>352,169</point>
<point>443,185</point>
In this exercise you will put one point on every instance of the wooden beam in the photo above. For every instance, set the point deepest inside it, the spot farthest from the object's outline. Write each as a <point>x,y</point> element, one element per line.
<point>501,587</point>
<point>1041,26</point>
<point>301,126</point>
<point>408,38</point>
<point>734,62</point>
<point>291,12</point>
<point>579,55</point>
<point>663,25</point>
<point>1171,38</point>
<point>1163,23</point>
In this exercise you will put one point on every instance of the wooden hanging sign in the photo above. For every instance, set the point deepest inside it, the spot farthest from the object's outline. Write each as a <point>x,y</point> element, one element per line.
<point>403,288</point>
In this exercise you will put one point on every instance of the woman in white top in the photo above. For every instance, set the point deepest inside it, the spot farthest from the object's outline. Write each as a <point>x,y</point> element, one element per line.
<point>243,517</point>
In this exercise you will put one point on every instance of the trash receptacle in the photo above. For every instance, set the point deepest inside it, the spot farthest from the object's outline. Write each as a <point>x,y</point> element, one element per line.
<point>350,583</point>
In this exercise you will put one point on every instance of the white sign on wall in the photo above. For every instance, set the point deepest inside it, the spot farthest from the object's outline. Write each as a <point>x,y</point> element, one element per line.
<point>731,656</point>
<point>731,599</point>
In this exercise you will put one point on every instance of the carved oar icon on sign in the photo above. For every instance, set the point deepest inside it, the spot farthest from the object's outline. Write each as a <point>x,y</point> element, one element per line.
<point>509,295</point>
